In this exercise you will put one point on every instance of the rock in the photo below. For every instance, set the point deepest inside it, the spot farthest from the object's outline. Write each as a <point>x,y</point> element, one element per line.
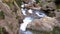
<point>57,13</point>
<point>43,24</point>
<point>11,23</point>
<point>49,6</point>
<point>6,9</point>
<point>51,14</point>
<point>4,25</point>
<point>0,0</point>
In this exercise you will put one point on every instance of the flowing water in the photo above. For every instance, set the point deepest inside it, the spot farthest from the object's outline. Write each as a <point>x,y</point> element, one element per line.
<point>23,11</point>
<point>29,18</point>
<point>26,21</point>
<point>23,26</point>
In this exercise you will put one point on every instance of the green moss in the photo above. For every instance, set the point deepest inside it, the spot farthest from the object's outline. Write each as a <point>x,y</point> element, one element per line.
<point>56,30</point>
<point>1,15</point>
<point>58,6</point>
<point>38,1</point>
<point>0,30</point>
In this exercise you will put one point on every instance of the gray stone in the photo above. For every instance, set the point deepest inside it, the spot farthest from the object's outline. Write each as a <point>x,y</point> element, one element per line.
<point>43,24</point>
<point>49,6</point>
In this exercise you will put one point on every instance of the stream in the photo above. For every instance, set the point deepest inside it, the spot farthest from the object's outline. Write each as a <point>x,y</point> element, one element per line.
<point>29,18</point>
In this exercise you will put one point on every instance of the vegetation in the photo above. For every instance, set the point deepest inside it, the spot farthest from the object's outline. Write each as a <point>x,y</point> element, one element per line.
<point>11,3</point>
<point>55,31</point>
<point>0,30</point>
<point>58,6</point>
<point>1,15</point>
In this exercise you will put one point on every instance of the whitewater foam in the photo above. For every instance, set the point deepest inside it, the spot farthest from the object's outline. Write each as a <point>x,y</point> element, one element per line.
<point>26,21</point>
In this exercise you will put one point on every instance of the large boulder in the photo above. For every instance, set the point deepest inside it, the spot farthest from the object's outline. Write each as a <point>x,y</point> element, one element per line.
<point>49,6</point>
<point>43,24</point>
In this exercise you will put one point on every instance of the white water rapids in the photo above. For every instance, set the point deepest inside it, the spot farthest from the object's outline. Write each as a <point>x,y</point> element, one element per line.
<point>23,26</point>
<point>28,19</point>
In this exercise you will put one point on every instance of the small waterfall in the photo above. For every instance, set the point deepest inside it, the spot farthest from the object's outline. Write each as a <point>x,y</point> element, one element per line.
<point>23,26</point>
<point>26,21</point>
<point>29,18</point>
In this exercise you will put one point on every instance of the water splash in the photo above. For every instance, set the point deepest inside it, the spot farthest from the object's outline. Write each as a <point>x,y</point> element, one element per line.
<point>40,14</point>
<point>29,19</point>
<point>22,6</point>
<point>30,11</point>
<point>23,11</point>
<point>26,21</point>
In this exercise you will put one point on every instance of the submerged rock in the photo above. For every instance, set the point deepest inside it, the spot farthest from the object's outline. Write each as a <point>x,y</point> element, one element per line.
<point>43,24</point>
